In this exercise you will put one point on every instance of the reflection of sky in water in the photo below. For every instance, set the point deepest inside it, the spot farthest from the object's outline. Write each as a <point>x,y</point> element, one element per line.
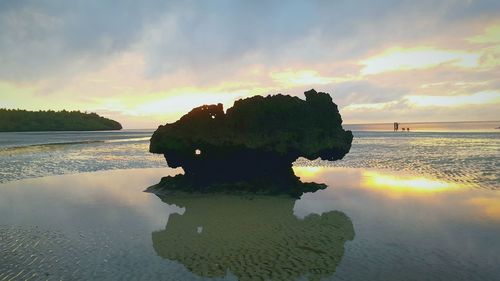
<point>463,158</point>
<point>407,229</point>
<point>100,225</point>
<point>22,139</point>
<point>39,161</point>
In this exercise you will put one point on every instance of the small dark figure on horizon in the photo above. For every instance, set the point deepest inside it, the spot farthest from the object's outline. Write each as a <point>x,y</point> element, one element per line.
<point>396,126</point>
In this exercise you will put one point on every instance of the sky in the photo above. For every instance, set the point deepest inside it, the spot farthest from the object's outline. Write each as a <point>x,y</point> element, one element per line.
<point>146,63</point>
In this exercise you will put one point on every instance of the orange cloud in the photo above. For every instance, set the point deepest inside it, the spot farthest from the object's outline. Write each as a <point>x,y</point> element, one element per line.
<point>455,100</point>
<point>400,59</point>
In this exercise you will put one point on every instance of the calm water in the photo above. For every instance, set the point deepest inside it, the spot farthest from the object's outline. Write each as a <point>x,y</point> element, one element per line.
<point>400,206</point>
<point>465,157</point>
<point>27,155</point>
<point>367,225</point>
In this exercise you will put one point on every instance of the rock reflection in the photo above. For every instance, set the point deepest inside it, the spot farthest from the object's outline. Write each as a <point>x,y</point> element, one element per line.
<point>253,237</point>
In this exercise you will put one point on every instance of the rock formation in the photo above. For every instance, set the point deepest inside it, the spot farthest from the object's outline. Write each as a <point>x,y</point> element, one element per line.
<point>259,137</point>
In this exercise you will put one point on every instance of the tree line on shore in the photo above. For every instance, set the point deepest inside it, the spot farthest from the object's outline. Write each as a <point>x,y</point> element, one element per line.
<point>18,120</point>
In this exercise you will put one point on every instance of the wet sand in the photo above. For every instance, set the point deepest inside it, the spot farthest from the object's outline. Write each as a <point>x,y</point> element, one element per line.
<point>367,225</point>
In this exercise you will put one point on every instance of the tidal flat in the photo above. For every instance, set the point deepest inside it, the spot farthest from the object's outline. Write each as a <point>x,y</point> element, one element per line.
<point>368,224</point>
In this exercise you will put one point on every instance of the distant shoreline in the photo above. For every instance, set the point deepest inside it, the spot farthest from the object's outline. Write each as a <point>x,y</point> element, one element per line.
<point>423,122</point>
<point>69,131</point>
<point>455,126</point>
<point>379,126</point>
<point>17,120</point>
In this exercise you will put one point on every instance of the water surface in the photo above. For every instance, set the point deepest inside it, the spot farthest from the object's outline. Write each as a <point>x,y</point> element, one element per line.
<point>467,157</point>
<point>367,225</point>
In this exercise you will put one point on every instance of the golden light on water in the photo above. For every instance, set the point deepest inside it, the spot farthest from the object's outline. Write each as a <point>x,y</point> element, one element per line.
<point>394,184</point>
<point>307,173</point>
<point>490,206</point>
<point>406,184</point>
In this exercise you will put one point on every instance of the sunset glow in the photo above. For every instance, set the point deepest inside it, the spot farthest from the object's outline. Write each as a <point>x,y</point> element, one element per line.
<point>305,77</point>
<point>147,70</point>
<point>399,59</point>
<point>489,206</point>
<point>452,101</point>
<point>307,173</point>
<point>395,184</point>
<point>249,140</point>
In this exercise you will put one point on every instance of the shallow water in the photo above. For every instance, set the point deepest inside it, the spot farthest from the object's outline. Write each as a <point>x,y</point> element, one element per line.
<point>464,157</point>
<point>468,158</point>
<point>367,225</point>
<point>39,154</point>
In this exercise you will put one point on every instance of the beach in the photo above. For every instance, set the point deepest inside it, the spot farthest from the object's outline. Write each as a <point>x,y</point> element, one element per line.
<point>465,156</point>
<point>250,140</point>
<point>402,206</point>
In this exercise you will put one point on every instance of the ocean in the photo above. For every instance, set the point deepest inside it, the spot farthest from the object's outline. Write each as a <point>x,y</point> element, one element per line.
<point>467,153</point>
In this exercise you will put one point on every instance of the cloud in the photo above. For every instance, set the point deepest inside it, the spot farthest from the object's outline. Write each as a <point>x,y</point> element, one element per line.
<point>397,59</point>
<point>302,77</point>
<point>218,37</point>
<point>45,38</point>
<point>370,106</point>
<point>366,92</point>
<point>492,97</point>
<point>402,112</point>
<point>491,35</point>
<point>143,58</point>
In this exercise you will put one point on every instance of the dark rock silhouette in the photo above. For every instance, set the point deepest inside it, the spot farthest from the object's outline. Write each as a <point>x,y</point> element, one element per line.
<point>254,238</point>
<point>281,183</point>
<point>259,137</point>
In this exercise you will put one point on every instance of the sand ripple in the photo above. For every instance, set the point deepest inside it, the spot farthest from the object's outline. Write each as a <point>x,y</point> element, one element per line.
<point>471,159</point>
